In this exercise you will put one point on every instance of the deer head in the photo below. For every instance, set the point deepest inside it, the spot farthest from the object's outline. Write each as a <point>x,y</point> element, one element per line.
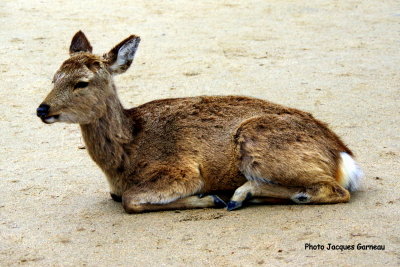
<point>84,82</point>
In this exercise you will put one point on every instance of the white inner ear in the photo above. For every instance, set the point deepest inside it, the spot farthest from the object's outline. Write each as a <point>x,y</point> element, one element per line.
<point>125,54</point>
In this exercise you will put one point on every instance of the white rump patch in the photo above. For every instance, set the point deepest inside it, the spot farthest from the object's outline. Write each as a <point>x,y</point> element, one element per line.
<point>351,172</point>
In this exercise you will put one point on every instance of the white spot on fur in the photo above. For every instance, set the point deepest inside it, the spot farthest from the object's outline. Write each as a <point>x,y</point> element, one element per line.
<point>351,173</point>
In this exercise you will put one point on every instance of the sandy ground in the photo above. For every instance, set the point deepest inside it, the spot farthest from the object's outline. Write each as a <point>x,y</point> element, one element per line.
<point>337,59</point>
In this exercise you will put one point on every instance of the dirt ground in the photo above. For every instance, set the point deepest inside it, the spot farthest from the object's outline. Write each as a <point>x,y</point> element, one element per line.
<point>337,59</point>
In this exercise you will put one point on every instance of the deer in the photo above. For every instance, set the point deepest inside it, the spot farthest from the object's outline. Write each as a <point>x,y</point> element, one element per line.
<point>184,153</point>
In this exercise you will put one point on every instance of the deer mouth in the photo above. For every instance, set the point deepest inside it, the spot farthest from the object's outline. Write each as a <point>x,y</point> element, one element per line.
<point>50,119</point>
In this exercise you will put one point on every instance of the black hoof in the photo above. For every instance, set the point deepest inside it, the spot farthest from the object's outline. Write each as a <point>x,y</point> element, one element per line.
<point>116,197</point>
<point>219,203</point>
<point>248,197</point>
<point>233,205</point>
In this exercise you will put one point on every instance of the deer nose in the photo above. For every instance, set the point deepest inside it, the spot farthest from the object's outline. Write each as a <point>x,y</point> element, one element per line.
<point>43,110</point>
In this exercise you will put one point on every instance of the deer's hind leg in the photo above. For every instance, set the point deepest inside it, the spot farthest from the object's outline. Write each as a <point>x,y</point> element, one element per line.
<point>288,157</point>
<point>169,187</point>
<point>261,192</point>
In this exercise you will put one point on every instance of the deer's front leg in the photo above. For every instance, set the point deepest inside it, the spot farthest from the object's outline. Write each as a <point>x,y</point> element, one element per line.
<point>169,187</point>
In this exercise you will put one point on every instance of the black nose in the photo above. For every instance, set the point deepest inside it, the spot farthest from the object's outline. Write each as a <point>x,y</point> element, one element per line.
<point>43,110</point>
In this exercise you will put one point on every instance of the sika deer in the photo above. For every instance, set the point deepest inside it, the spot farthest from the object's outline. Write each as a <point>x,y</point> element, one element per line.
<point>175,153</point>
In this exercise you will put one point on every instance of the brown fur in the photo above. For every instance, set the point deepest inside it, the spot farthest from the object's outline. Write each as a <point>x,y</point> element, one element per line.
<point>158,155</point>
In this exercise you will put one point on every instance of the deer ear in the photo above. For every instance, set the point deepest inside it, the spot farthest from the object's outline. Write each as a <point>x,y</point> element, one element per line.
<point>80,43</point>
<point>120,58</point>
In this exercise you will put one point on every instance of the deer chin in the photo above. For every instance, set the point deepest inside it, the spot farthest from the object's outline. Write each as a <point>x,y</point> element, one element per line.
<point>51,119</point>
<point>70,118</point>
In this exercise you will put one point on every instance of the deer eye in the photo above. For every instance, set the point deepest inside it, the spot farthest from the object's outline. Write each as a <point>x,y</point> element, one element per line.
<point>81,85</point>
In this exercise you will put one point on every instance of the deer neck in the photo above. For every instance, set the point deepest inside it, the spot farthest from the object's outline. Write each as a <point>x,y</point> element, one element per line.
<point>105,137</point>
